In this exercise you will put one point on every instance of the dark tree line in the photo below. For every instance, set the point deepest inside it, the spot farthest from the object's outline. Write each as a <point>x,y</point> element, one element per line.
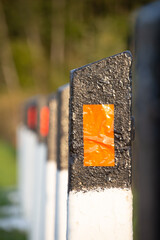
<point>38,38</point>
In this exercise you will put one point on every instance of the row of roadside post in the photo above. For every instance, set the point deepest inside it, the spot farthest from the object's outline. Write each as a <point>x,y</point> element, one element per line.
<point>74,152</point>
<point>75,147</point>
<point>43,164</point>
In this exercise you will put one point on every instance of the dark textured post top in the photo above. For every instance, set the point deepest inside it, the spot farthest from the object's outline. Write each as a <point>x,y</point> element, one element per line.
<point>63,116</point>
<point>106,83</point>
<point>52,135</point>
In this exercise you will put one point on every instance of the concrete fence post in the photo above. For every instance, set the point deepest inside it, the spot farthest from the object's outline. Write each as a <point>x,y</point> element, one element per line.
<point>51,170</point>
<point>62,162</point>
<point>99,193</point>
<point>38,217</point>
<point>26,145</point>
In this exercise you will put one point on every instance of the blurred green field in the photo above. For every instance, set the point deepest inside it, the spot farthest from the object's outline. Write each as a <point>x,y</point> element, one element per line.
<point>8,183</point>
<point>12,235</point>
<point>8,172</point>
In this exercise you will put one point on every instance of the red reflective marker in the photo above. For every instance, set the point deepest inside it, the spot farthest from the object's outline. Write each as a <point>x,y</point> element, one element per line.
<point>32,117</point>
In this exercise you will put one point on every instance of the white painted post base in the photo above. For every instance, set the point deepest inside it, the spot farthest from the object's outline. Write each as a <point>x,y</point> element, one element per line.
<point>27,142</point>
<point>38,217</point>
<point>100,215</point>
<point>50,200</point>
<point>20,157</point>
<point>61,204</point>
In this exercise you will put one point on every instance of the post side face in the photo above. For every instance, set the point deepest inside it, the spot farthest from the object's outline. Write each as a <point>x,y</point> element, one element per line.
<point>107,81</point>
<point>62,162</point>
<point>147,73</point>
<point>52,136</point>
<point>63,122</point>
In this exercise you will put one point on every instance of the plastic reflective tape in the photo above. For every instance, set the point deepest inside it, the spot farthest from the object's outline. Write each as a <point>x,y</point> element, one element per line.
<point>32,117</point>
<point>44,121</point>
<point>98,135</point>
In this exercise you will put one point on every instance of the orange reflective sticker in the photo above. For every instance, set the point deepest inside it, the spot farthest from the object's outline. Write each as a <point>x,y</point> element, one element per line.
<point>98,135</point>
<point>44,121</point>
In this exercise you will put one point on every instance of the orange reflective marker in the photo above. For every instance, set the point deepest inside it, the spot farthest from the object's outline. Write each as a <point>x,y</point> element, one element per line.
<point>98,135</point>
<point>44,121</point>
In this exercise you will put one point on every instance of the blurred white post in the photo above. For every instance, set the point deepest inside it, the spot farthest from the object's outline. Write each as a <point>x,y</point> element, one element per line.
<point>62,163</point>
<point>26,146</point>
<point>38,217</point>
<point>51,170</point>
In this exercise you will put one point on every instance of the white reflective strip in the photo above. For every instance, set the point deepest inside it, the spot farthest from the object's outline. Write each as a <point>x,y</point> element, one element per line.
<point>100,215</point>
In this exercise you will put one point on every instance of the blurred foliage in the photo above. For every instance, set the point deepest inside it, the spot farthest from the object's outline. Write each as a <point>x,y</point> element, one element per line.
<point>48,34</point>
<point>42,40</point>
<point>10,106</point>
<point>12,235</point>
<point>4,200</point>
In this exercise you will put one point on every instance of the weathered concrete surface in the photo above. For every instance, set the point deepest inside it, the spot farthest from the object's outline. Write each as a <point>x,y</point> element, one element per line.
<point>63,122</point>
<point>52,135</point>
<point>107,81</point>
<point>62,163</point>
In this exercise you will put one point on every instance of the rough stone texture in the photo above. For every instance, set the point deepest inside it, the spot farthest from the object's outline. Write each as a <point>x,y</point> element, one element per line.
<point>107,81</point>
<point>63,122</point>
<point>52,136</point>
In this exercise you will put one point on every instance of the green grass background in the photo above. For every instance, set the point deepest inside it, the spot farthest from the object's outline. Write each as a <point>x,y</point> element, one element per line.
<point>8,182</point>
<point>8,166</point>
